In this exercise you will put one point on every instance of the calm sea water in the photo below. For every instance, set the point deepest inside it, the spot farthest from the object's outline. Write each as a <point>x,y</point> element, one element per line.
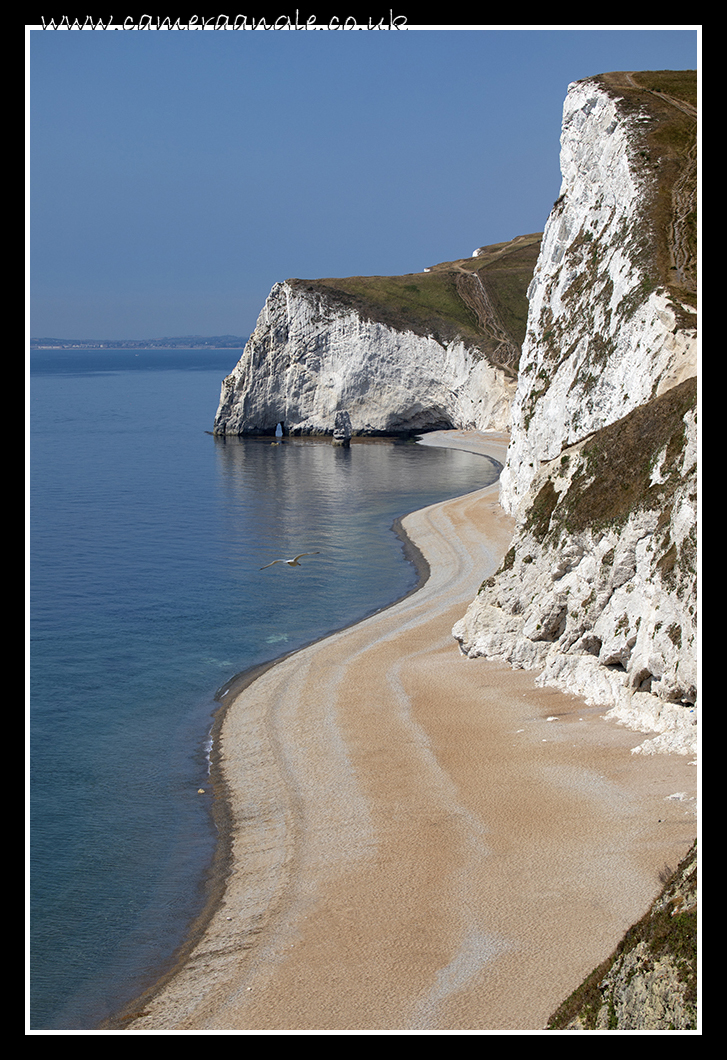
<point>146,539</point>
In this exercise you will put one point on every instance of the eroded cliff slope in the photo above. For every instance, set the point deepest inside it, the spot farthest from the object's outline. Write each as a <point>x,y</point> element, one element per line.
<point>599,587</point>
<point>649,983</point>
<point>612,318</point>
<point>431,350</point>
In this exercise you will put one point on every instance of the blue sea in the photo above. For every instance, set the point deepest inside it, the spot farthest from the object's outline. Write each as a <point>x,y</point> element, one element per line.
<point>147,536</point>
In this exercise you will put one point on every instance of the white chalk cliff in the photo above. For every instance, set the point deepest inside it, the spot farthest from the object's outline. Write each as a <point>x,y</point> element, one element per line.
<point>430,350</point>
<point>599,588</point>
<point>604,335</point>
<point>310,357</point>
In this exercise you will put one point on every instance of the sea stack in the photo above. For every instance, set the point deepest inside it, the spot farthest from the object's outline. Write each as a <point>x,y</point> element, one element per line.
<point>342,429</point>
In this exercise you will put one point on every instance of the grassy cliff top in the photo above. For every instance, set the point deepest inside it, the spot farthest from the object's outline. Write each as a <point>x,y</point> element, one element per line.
<point>675,84</point>
<point>665,101</point>
<point>482,299</point>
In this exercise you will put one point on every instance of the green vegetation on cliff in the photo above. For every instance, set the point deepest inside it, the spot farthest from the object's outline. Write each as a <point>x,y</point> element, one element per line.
<point>481,300</point>
<point>650,981</point>
<point>616,469</point>
<point>665,103</point>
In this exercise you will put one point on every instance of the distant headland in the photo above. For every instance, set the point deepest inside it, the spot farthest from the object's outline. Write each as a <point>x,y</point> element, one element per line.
<point>183,342</point>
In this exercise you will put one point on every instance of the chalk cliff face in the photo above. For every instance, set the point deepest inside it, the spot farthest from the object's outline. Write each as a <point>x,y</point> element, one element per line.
<point>307,359</point>
<point>427,351</point>
<point>599,587</point>
<point>611,321</point>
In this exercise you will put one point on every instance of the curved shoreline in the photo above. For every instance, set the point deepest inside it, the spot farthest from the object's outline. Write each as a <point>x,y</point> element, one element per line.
<point>346,820</point>
<point>220,868</point>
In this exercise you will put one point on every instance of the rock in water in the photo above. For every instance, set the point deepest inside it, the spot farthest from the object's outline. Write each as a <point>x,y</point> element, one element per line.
<point>342,429</point>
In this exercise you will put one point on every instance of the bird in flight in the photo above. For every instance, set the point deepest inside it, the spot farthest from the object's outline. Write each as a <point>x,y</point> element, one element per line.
<point>291,562</point>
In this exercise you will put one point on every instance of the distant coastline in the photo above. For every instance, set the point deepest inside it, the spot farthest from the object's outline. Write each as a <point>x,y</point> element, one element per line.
<point>184,342</point>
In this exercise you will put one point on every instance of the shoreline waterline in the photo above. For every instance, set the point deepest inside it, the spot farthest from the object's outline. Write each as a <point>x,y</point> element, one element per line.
<point>417,841</point>
<point>492,446</point>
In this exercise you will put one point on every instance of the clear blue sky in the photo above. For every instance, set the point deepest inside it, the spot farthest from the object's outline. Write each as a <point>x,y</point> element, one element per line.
<point>174,177</point>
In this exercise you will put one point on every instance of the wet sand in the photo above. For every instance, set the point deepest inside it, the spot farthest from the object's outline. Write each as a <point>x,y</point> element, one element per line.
<point>419,841</point>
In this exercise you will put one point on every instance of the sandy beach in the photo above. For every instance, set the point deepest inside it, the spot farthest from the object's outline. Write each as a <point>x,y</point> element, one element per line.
<point>417,841</point>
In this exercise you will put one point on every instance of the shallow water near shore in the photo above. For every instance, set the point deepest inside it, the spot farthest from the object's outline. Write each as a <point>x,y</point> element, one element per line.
<point>147,535</point>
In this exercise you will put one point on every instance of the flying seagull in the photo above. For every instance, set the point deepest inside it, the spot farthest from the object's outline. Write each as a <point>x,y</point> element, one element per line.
<point>291,562</point>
